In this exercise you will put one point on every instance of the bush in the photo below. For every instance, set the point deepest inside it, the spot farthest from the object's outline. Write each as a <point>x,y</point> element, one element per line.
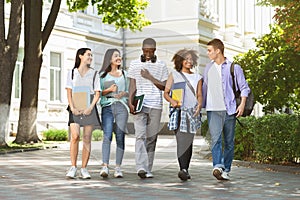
<point>244,138</point>
<point>277,138</point>
<point>97,135</point>
<point>55,135</point>
<point>269,139</point>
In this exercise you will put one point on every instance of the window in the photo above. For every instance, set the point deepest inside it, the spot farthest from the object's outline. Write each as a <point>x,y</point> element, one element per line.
<point>55,76</point>
<point>17,75</point>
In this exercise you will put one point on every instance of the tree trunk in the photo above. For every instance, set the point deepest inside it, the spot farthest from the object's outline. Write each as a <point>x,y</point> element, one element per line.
<point>31,72</point>
<point>35,41</point>
<point>8,53</point>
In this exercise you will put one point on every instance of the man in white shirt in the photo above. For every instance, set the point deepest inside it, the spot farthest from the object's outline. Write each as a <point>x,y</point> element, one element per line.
<point>147,76</point>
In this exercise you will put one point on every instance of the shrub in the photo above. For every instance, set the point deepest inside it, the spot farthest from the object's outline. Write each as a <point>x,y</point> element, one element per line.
<point>244,138</point>
<point>55,135</point>
<point>269,139</point>
<point>277,138</point>
<point>97,135</point>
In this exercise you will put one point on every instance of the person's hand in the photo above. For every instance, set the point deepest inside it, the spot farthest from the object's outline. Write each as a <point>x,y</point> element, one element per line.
<point>113,88</point>
<point>174,103</point>
<point>146,74</point>
<point>120,95</point>
<point>87,111</point>
<point>197,110</point>
<point>132,109</point>
<point>240,110</point>
<point>76,112</point>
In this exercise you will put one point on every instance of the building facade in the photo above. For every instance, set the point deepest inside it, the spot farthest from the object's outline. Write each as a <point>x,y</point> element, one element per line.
<point>176,24</point>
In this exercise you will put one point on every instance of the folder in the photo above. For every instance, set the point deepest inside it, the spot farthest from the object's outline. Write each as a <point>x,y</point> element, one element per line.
<point>107,84</point>
<point>138,103</point>
<point>177,92</point>
<point>81,97</point>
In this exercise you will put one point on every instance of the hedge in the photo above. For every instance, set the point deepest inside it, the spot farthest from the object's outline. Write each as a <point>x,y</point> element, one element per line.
<point>269,139</point>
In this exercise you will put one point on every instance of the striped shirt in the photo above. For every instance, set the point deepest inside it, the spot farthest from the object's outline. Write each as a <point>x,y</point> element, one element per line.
<point>153,95</point>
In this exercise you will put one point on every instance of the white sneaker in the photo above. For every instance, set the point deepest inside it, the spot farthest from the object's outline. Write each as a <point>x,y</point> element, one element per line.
<point>104,172</point>
<point>149,175</point>
<point>72,172</point>
<point>85,174</point>
<point>225,176</point>
<point>217,172</point>
<point>118,173</point>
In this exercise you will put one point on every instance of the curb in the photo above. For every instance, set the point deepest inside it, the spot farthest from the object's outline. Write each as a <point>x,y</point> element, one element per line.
<point>267,167</point>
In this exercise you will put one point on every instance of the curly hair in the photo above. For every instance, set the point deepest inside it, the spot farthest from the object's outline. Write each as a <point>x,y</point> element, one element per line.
<point>180,56</point>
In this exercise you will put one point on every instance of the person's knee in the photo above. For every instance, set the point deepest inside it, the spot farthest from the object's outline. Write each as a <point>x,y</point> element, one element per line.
<point>75,138</point>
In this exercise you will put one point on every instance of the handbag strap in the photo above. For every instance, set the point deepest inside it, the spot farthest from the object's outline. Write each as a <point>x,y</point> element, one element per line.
<point>188,83</point>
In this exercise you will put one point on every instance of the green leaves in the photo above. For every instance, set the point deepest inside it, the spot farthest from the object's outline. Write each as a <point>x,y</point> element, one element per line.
<point>287,17</point>
<point>121,13</point>
<point>273,71</point>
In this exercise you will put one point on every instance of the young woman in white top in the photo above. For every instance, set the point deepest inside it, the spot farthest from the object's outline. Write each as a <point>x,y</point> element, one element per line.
<point>190,118</point>
<point>85,79</point>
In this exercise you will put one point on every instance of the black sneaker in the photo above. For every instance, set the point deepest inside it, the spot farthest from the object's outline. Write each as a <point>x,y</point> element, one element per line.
<point>188,175</point>
<point>183,175</point>
<point>142,173</point>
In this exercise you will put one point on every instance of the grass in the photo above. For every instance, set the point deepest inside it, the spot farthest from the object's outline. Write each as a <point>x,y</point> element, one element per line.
<point>13,147</point>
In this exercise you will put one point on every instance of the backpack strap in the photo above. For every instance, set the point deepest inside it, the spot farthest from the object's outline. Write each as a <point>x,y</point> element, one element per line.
<point>94,79</point>
<point>233,80</point>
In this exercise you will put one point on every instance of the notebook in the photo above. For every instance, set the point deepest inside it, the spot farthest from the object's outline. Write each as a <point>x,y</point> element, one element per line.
<point>81,97</point>
<point>138,102</point>
<point>177,92</point>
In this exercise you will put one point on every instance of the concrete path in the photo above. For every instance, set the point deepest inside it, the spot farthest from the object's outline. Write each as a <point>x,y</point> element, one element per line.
<point>41,175</point>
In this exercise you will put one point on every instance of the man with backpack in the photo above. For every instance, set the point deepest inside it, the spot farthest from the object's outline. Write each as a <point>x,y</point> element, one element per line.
<point>222,110</point>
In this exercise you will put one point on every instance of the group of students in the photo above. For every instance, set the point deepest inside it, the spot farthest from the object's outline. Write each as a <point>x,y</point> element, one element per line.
<point>149,76</point>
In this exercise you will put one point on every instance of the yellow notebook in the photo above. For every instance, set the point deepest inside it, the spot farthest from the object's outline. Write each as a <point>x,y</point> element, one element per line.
<point>177,95</point>
<point>177,92</point>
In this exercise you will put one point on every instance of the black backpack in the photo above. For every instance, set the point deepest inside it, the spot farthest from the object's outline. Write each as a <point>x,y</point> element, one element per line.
<point>237,93</point>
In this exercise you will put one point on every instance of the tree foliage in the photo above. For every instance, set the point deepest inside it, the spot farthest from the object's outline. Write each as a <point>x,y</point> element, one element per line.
<point>121,13</point>
<point>273,72</point>
<point>287,16</point>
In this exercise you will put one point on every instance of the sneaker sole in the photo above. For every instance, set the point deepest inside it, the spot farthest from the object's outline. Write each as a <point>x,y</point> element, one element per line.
<point>87,177</point>
<point>104,175</point>
<point>218,174</point>
<point>142,174</point>
<point>182,176</point>
<point>70,177</point>
<point>118,176</point>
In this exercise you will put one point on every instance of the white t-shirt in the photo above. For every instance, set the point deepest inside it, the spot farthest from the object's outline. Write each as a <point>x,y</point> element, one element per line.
<point>153,95</point>
<point>189,99</point>
<point>85,81</point>
<point>215,97</point>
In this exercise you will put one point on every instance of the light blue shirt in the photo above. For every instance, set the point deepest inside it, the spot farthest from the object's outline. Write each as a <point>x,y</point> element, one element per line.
<point>122,83</point>
<point>229,98</point>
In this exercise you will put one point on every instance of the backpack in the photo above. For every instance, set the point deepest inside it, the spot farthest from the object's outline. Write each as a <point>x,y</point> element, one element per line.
<point>237,93</point>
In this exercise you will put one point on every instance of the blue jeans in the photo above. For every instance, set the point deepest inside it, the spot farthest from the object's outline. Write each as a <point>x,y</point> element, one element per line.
<point>114,119</point>
<point>220,122</point>
<point>146,126</point>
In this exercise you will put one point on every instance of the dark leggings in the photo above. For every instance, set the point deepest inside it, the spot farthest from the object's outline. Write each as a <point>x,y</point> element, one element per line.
<point>184,149</point>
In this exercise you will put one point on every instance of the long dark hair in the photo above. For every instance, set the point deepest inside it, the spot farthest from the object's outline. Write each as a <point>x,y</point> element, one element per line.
<point>106,66</point>
<point>179,57</point>
<point>80,51</point>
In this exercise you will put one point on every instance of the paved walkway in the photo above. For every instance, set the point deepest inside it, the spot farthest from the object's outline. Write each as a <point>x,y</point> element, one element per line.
<point>41,175</point>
